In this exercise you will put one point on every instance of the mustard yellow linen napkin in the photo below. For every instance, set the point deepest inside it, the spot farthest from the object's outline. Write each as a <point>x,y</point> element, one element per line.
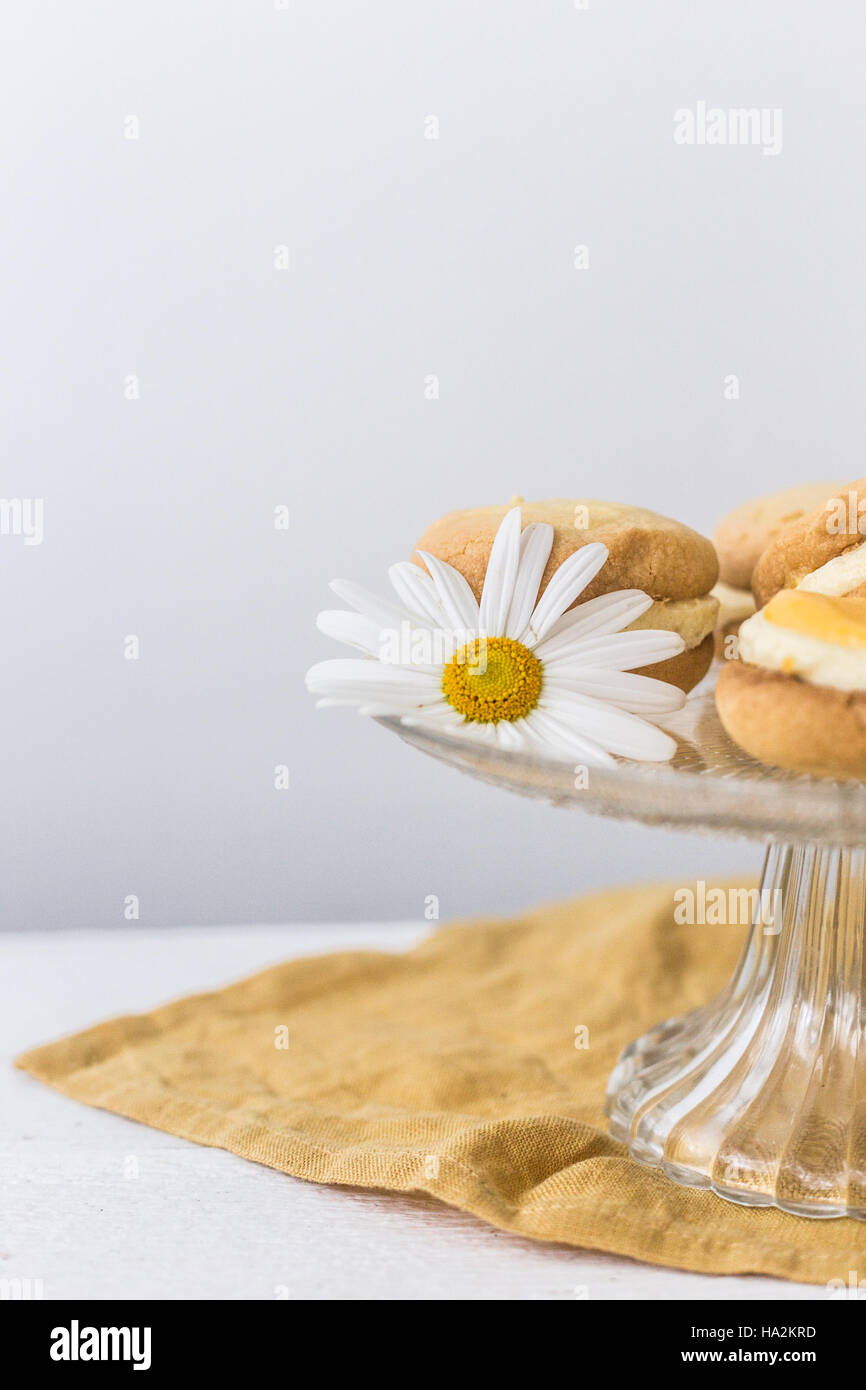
<point>453,1070</point>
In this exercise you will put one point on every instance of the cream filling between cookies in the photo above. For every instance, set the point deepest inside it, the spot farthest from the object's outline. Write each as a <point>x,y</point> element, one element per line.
<point>777,648</point>
<point>734,604</point>
<point>840,575</point>
<point>693,618</point>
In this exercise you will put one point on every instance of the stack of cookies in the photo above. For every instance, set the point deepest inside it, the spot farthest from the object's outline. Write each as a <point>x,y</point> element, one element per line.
<point>794,696</point>
<point>667,560</point>
<point>740,539</point>
<point>780,597</point>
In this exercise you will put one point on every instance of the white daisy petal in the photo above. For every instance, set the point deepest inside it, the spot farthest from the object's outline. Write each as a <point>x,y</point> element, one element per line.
<point>567,583</point>
<point>383,611</point>
<point>501,575</point>
<point>455,595</point>
<point>381,702</point>
<point>641,694</point>
<point>467,729</point>
<point>394,707</point>
<point>412,647</point>
<point>416,589</point>
<point>530,737</point>
<point>597,617</point>
<point>556,737</point>
<point>352,628</point>
<point>392,710</point>
<point>349,678</point>
<point>535,545</point>
<point>507,735</point>
<point>474,731</point>
<point>442,716</point>
<point>615,729</point>
<point>619,651</point>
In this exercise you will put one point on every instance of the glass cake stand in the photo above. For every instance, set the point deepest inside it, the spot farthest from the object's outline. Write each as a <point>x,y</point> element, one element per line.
<point>760,1095</point>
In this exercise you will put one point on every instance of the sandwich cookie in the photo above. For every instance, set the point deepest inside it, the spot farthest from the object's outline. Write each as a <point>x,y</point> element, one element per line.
<point>796,698</point>
<point>823,552</point>
<point>667,560</point>
<point>740,539</point>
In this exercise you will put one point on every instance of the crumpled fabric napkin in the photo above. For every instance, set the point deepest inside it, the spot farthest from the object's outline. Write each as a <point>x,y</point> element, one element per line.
<point>454,1070</point>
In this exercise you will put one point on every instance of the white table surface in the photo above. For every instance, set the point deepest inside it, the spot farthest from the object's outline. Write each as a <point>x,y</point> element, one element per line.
<point>201,1223</point>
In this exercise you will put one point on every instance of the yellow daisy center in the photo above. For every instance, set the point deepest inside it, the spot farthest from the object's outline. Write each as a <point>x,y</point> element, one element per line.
<point>492,678</point>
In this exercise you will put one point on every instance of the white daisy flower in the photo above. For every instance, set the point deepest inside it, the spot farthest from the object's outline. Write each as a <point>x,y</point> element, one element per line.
<point>515,670</point>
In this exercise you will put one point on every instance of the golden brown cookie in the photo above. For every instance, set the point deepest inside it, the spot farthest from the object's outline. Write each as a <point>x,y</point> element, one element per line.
<point>686,669</point>
<point>646,551</point>
<point>670,562</point>
<point>786,722</point>
<point>823,534</point>
<point>742,535</point>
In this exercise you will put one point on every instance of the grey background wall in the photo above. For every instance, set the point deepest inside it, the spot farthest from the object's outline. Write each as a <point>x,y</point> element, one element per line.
<point>305,127</point>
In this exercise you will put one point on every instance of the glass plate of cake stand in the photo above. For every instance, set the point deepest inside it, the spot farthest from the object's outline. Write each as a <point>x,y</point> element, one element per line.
<point>759,1095</point>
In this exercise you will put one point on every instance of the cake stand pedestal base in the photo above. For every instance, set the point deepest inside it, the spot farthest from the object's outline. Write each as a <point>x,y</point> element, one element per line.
<point>761,1094</point>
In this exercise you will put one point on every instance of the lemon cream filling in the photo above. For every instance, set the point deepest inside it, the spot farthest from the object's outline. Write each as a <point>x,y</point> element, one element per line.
<point>840,575</point>
<point>818,637</point>
<point>735,605</point>
<point>693,618</point>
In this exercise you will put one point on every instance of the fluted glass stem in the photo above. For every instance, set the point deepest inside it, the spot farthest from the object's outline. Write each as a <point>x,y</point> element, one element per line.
<point>761,1094</point>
